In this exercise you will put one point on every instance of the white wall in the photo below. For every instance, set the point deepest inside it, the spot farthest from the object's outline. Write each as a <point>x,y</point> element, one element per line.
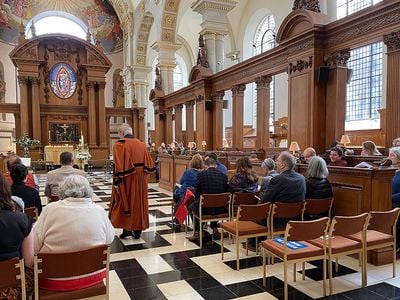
<point>9,73</point>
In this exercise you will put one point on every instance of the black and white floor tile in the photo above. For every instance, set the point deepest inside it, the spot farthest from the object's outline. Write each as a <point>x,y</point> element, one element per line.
<point>163,264</point>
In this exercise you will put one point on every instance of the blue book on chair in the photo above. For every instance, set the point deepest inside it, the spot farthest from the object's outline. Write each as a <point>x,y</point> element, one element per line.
<point>292,245</point>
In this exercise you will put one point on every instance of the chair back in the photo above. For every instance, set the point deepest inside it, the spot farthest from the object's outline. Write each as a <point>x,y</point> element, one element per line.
<point>348,225</point>
<point>244,198</point>
<point>215,200</point>
<point>12,273</point>
<point>307,230</point>
<point>318,206</point>
<point>254,212</point>
<point>383,221</point>
<point>283,210</point>
<point>60,265</point>
<point>31,212</point>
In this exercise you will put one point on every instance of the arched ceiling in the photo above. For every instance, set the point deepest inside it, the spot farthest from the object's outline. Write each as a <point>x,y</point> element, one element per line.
<point>98,15</point>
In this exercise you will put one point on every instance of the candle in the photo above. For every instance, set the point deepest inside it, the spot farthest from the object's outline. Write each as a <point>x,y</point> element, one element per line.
<point>49,136</point>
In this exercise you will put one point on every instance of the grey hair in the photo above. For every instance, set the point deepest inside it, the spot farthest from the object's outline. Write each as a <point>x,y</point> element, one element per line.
<point>396,142</point>
<point>75,186</point>
<point>317,168</point>
<point>268,163</point>
<point>125,129</point>
<point>289,160</point>
<point>396,151</point>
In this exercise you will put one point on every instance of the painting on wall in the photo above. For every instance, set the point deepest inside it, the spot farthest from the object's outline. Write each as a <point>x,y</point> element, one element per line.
<point>65,133</point>
<point>98,15</point>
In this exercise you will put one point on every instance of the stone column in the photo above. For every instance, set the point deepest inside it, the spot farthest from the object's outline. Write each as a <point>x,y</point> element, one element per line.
<point>91,114</point>
<point>168,127</point>
<point>101,115</point>
<point>24,106</point>
<point>237,116</point>
<point>392,42</point>
<point>141,84</point>
<point>129,81</point>
<point>336,96</point>
<point>189,121</point>
<point>178,122</point>
<point>166,63</point>
<point>36,123</point>
<point>214,27</point>
<point>218,125</point>
<point>127,24</point>
<point>263,107</point>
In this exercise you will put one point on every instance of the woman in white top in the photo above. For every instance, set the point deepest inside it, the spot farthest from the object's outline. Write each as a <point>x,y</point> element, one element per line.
<point>72,224</point>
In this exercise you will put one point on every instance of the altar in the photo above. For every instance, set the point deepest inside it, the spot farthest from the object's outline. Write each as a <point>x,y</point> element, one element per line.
<point>52,152</point>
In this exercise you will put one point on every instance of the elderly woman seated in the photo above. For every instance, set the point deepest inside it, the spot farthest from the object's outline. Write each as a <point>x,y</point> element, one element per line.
<point>72,224</point>
<point>317,184</point>
<point>269,165</point>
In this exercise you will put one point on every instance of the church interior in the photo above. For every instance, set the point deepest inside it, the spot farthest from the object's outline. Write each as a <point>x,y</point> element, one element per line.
<point>248,78</point>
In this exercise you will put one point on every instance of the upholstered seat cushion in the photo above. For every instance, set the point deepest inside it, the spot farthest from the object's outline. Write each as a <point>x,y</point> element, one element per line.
<point>374,237</point>
<point>308,251</point>
<point>245,227</point>
<point>98,289</point>
<point>339,244</point>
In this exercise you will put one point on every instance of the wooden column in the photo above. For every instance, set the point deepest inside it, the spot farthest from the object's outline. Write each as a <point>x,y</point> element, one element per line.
<point>237,116</point>
<point>108,135</point>
<point>392,42</point>
<point>201,122</point>
<point>141,124</point>
<point>102,141</point>
<point>189,121</point>
<point>178,122</point>
<point>218,126</point>
<point>135,120</point>
<point>168,126</point>
<point>336,96</point>
<point>36,124</point>
<point>159,122</point>
<point>91,114</point>
<point>24,107</point>
<point>263,107</point>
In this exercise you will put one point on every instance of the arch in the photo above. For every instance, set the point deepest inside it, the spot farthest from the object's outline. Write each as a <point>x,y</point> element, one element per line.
<point>299,21</point>
<point>169,21</point>
<point>143,39</point>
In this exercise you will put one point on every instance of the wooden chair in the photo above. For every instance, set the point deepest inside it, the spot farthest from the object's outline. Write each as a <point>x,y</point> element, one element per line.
<point>246,226</point>
<point>63,265</point>
<point>240,198</point>
<point>381,233</point>
<point>32,212</point>
<point>303,232</point>
<point>339,242</point>
<point>12,273</point>
<point>283,210</point>
<point>212,201</point>
<point>318,207</point>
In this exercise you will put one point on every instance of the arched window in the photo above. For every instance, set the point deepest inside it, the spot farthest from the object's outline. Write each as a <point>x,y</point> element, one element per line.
<point>347,7</point>
<point>57,22</point>
<point>178,78</point>
<point>264,39</point>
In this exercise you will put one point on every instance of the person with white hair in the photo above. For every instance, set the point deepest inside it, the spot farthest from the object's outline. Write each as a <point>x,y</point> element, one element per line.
<point>269,165</point>
<point>317,183</point>
<point>73,223</point>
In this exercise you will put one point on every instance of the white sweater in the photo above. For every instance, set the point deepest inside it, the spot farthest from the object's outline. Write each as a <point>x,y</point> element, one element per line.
<point>72,224</point>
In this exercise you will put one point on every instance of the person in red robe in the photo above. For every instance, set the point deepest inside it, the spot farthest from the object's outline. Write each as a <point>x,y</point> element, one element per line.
<point>129,208</point>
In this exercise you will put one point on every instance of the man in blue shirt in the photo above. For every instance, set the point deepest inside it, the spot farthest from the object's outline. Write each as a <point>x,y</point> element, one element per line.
<point>220,167</point>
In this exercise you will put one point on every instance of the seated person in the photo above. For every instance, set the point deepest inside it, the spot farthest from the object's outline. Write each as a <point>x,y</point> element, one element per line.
<point>394,157</point>
<point>74,223</point>
<point>308,154</point>
<point>245,179</point>
<point>317,184</point>
<point>16,239</point>
<point>336,157</point>
<point>396,142</point>
<point>209,181</point>
<point>369,149</point>
<point>29,195</point>
<point>269,165</point>
<point>57,176</point>
<point>220,166</point>
<point>31,180</point>
<point>189,177</point>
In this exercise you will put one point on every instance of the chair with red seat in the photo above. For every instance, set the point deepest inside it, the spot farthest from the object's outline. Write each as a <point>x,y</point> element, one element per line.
<point>296,247</point>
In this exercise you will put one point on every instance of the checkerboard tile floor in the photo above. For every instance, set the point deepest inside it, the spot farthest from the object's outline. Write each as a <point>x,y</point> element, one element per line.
<point>163,264</point>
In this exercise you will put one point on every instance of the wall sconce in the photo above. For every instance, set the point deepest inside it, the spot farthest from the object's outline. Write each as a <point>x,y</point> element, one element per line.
<point>294,146</point>
<point>345,140</point>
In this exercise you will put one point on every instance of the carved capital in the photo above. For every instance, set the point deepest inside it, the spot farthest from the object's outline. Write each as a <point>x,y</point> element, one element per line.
<point>169,110</point>
<point>219,96</point>
<point>300,65</point>
<point>199,98</point>
<point>338,59</point>
<point>392,41</point>
<point>189,105</point>
<point>101,85</point>
<point>263,81</point>
<point>90,84</point>
<point>238,89</point>
<point>312,5</point>
<point>23,80</point>
<point>35,81</point>
<point>178,108</point>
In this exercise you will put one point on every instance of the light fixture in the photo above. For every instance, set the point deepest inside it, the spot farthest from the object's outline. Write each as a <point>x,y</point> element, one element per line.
<point>345,140</point>
<point>294,146</point>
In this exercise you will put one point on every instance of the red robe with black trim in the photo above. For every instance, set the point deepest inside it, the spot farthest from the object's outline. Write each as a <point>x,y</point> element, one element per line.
<point>129,208</point>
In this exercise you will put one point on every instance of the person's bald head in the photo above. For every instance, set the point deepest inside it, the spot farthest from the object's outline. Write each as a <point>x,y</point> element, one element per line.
<point>309,153</point>
<point>12,160</point>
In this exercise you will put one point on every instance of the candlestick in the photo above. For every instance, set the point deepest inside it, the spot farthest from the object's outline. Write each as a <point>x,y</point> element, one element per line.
<point>49,136</point>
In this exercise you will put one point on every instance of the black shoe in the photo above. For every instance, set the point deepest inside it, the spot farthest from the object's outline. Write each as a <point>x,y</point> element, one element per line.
<point>136,234</point>
<point>125,233</point>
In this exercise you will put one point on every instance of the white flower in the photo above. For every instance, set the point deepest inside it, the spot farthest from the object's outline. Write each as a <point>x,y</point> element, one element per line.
<point>83,155</point>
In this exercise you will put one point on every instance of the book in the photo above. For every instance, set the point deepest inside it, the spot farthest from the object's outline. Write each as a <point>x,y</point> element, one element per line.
<point>292,245</point>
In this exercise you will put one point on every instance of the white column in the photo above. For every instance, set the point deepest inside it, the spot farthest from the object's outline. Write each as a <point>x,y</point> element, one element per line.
<point>141,83</point>
<point>219,51</point>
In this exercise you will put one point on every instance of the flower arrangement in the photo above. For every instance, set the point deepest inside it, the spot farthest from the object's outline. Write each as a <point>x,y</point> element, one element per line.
<point>27,143</point>
<point>83,155</point>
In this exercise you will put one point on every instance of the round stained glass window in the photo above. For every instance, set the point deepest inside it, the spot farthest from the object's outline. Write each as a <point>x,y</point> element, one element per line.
<point>63,80</point>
